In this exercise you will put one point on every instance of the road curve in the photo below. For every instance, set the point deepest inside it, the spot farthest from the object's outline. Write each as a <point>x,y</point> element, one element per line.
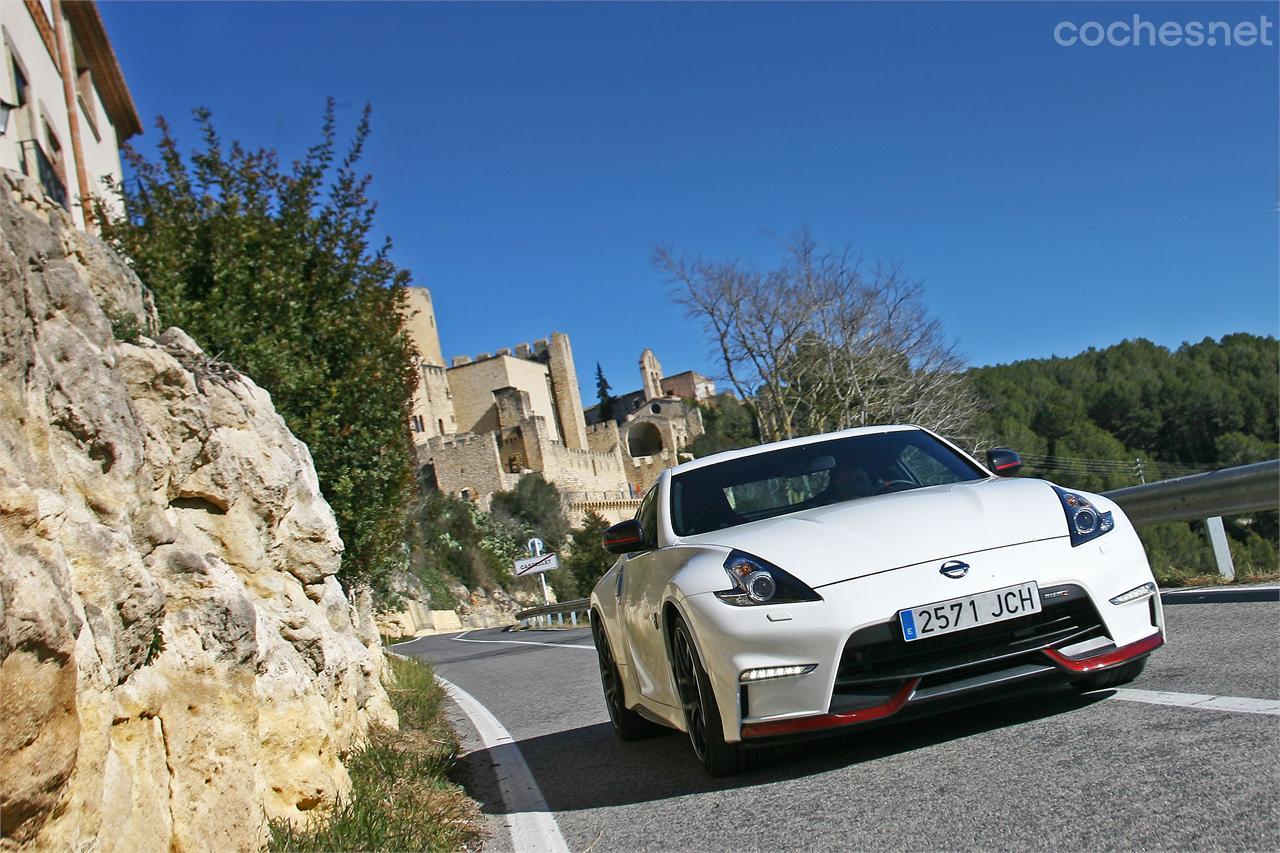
<point>1059,770</point>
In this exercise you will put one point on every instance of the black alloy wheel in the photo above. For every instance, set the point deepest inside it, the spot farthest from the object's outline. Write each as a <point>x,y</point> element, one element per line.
<point>627,724</point>
<point>701,713</point>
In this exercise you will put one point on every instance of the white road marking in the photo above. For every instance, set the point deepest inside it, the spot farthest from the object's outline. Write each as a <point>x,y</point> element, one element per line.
<point>461,639</point>
<point>529,820</point>
<point>1233,704</point>
<point>1194,590</point>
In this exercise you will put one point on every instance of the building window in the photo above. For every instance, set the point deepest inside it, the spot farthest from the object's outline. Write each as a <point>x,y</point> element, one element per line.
<point>20,120</point>
<point>417,423</point>
<point>47,168</point>
<point>440,421</point>
<point>55,153</point>
<point>84,89</point>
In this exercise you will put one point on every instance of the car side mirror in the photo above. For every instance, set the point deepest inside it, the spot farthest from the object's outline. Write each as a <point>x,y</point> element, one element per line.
<point>624,537</point>
<point>1003,461</point>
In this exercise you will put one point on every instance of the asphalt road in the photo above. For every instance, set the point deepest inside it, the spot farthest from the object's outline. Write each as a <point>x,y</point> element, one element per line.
<point>1056,770</point>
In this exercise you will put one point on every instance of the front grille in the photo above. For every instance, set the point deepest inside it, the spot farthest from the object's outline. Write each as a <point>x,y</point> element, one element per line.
<point>878,653</point>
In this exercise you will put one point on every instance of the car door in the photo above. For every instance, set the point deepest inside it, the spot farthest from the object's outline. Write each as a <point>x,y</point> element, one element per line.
<point>645,576</point>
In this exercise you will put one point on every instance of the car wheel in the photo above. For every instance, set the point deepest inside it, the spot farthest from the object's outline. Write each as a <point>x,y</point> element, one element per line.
<point>1112,677</point>
<point>627,724</point>
<point>701,713</point>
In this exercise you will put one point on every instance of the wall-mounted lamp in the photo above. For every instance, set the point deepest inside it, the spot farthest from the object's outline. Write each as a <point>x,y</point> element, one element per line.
<point>5,108</point>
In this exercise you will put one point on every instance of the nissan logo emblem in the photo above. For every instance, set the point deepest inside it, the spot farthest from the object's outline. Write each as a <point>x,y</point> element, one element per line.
<point>954,569</point>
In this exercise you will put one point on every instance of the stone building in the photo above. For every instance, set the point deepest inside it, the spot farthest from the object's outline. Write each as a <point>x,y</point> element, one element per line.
<point>688,385</point>
<point>64,106</point>
<point>656,423</point>
<point>481,423</point>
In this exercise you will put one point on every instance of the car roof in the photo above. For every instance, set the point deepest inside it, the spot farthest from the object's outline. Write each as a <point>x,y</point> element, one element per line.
<point>726,455</point>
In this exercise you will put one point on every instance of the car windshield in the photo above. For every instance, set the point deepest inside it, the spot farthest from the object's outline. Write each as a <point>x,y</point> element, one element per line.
<point>791,479</point>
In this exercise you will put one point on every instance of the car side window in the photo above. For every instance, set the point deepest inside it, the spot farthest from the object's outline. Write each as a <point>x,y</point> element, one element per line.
<point>648,518</point>
<point>926,470</point>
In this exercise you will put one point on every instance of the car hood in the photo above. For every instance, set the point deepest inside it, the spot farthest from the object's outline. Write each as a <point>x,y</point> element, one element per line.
<point>869,535</point>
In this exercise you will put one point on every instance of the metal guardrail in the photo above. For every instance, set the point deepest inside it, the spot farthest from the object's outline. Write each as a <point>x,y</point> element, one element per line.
<point>583,497</point>
<point>544,615</point>
<point>1229,491</point>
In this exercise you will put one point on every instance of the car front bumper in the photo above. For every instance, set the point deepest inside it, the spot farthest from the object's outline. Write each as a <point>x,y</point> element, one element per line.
<point>865,672</point>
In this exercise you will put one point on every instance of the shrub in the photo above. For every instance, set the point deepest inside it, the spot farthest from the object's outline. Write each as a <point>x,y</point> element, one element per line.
<point>273,271</point>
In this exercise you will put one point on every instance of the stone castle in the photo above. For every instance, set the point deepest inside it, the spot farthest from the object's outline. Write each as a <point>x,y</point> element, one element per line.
<point>482,423</point>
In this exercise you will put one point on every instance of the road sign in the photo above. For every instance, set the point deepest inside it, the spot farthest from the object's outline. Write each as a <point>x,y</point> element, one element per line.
<point>535,546</point>
<point>536,565</point>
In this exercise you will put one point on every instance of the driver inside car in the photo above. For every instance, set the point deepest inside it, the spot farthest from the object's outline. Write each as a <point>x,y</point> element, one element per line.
<point>850,481</point>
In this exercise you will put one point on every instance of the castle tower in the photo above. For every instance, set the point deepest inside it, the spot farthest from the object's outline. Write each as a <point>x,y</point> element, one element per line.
<point>433,413</point>
<point>568,402</point>
<point>420,323</point>
<point>650,374</point>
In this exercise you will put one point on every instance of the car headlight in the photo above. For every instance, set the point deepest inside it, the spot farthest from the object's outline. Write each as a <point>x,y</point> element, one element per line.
<point>757,581</point>
<point>1084,521</point>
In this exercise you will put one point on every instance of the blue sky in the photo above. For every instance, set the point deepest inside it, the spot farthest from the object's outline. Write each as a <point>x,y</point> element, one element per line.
<point>527,157</point>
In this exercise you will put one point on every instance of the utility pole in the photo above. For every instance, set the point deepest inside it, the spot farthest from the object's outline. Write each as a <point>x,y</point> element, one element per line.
<point>1137,468</point>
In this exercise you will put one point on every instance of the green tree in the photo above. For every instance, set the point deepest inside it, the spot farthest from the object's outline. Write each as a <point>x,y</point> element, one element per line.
<point>454,539</point>
<point>273,270</point>
<point>535,505</point>
<point>727,425</point>
<point>603,393</point>
<point>588,560</point>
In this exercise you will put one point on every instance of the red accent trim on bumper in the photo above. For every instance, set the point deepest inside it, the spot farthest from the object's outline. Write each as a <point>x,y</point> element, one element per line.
<point>830,721</point>
<point>1111,658</point>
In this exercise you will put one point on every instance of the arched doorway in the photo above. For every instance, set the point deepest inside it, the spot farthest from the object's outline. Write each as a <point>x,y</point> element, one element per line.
<point>644,439</point>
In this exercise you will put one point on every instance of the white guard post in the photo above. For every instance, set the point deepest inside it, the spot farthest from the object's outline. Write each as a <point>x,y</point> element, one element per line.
<point>1221,551</point>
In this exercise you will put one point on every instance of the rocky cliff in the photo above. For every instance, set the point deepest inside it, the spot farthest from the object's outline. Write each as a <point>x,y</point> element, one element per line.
<point>177,661</point>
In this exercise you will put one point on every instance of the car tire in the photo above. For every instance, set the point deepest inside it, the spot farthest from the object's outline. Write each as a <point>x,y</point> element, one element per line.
<point>701,713</point>
<point>1111,677</point>
<point>627,724</point>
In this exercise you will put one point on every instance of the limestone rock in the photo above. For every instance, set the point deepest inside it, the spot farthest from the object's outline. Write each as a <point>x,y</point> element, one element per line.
<point>178,662</point>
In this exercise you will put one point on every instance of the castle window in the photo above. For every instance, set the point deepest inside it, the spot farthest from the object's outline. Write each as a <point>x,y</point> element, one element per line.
<point>441,422</point>
<point>417,423</point>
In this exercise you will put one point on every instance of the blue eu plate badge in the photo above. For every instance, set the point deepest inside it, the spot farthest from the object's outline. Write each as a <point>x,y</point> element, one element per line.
<point>908,624</point>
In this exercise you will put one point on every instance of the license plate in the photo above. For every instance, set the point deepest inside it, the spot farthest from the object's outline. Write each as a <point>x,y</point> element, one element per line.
<point>959,614</point>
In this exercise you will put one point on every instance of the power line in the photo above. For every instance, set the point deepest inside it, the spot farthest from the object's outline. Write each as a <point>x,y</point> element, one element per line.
<point>1138,468</point>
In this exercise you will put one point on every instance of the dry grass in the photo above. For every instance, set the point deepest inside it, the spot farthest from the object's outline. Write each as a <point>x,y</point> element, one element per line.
<point>1172,578</point>
<point>401,797</point>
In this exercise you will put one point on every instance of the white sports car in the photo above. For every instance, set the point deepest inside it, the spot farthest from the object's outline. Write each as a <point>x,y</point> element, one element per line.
<point>859,576</point>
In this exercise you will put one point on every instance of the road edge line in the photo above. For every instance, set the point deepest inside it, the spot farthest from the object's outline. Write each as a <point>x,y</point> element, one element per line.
<point>1198,701</point>
<point>463,638</point>
<point>528,818</point>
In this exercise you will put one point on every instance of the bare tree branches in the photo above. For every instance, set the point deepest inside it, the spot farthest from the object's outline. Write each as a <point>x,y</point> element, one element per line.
<point>818,343</point>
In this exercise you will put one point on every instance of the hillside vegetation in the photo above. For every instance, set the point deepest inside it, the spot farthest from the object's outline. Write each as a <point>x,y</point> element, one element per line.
<point>1112,417</point>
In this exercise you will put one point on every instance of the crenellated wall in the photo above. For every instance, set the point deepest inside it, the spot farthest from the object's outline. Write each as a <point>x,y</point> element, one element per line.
<point>467,466</point>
